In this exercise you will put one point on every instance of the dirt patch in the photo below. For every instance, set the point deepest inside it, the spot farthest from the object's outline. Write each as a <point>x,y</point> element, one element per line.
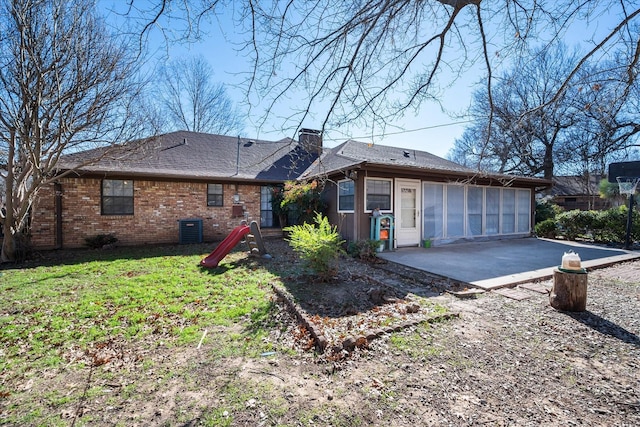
<point>360,304</point>
<point>498,362</point>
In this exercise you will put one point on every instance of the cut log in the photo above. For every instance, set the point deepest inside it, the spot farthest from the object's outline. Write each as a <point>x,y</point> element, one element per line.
<point>569,292</point>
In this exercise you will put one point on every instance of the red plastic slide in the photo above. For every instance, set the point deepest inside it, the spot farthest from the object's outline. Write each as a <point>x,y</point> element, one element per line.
<point>225,246</point>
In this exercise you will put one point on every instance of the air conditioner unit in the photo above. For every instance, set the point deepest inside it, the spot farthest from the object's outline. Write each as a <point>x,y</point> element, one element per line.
<point>190,231</point>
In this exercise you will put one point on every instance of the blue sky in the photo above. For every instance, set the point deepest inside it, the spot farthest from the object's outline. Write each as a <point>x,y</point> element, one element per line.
<point>430,129</point>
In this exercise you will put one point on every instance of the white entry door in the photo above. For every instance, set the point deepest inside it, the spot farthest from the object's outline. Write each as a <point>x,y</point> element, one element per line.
<point>407,212</point>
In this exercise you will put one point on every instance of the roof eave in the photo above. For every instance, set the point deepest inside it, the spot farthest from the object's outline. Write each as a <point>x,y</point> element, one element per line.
<point>440,173</point>
<point>166,176</point>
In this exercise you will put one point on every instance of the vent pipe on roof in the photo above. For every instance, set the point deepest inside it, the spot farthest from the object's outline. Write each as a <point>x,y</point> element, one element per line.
<point>179,144</point>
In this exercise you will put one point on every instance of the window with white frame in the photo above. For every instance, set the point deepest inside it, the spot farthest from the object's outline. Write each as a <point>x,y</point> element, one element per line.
<point>492,219</point>
<point>508,211</point>
<point>523,206</point>
<point>452,211</point>
<point>455,210</point>
<point>475,201</point>
<point>266,206</point>
<point>433,210</point>
<point>346,195</point>
<point>378,194</point>
<point>117,197</point>
<point>215,195</point>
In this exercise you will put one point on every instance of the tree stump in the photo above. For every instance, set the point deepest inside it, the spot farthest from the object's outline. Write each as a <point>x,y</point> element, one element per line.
<point>569,292</point>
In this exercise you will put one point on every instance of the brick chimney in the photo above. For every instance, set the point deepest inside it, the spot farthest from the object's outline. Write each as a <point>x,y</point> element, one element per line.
<point>311,140</point>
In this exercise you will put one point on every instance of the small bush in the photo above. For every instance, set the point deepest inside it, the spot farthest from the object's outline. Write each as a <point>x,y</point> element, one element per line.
<point>364,249</point>
<point>608,226</point>
<point>547,228</point>
<point>611,225</point>
<point>100,240</point>
<point>318,244</point>
<point>576,223</point>
<point>546,210</point>
<point>297,202</point>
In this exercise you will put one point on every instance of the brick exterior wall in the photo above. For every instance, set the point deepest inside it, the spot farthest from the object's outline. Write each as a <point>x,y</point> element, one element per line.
<point>158,206</point>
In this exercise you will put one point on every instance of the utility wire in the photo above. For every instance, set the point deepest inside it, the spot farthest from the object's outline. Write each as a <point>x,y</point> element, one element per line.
<point>402,131</point>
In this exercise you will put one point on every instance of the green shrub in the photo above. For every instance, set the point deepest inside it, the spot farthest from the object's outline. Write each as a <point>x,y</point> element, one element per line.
<point>364,249</point>
<point>547,228</point>
<point>546,210</point>
<point>608,190</point>
<point>297,202</point>
<point>318,244</point>
<point>608,226</point>
<point>576,223</point>
<point>100,240</point>
<point>611,225</point>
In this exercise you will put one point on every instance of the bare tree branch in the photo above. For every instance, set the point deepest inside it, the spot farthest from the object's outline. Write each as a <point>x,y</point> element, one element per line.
<point>65,84</point>
<point>190,100</point>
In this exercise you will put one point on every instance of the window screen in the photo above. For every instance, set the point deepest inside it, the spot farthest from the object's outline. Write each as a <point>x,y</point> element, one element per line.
<point>455,210</point>
<point>378,194</point>
<point>215,195</point>
<point>346,195</point>
<point>475,201</point>
<point>508,211</point>
<point>493,211</point>
<point>117,197</point>
<point>524,211</point>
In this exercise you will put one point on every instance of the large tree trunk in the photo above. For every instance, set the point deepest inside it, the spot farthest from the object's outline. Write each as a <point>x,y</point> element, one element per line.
<point>8,253</point>
<point>569,292</point>
<point>547,163</point>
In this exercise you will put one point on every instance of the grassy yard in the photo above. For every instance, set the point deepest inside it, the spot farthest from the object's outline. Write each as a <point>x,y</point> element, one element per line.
<point>92,308</point>
<point>145,337</point>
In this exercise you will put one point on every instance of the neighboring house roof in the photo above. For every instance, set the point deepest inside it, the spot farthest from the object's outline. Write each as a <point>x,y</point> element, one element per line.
<point>193,155</point>
<point>575,186</point>
<point>354,154</point>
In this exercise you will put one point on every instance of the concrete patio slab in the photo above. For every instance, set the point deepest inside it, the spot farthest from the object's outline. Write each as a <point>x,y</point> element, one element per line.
<point>503,263</point>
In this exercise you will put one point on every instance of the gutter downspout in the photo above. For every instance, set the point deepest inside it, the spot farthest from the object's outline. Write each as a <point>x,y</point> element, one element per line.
<point>57,187</point>
<point>238,158</point>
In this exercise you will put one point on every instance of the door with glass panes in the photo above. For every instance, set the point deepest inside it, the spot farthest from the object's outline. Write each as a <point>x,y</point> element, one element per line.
<point>407,212</point>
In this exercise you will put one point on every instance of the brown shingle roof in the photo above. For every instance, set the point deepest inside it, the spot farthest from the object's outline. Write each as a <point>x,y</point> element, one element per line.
<point>575,185</point>
<point>353,153</point>
<point>191,155</point>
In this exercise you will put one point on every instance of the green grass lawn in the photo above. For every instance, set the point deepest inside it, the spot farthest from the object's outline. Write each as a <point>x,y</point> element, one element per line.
<point>50,314</point>
<point>93,337</point>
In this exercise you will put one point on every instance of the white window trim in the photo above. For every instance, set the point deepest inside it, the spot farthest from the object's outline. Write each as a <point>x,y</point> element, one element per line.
<point>338,196</point>
<point>366,185</point>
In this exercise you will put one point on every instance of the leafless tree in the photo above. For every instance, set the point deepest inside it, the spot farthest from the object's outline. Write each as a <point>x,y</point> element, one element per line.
<point>519,137</point>
<point>608,120</point>
<point>190,100</point>
<point>577,133</point>
<point>65,84</point>
<point>370,61</point>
